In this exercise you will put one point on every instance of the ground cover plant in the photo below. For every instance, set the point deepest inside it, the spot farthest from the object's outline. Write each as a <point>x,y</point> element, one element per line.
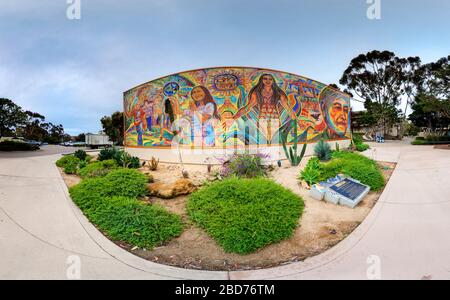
<point>97,168</point>
<point>69,163</point>
<point>431,140</point>
<point>244,165</point>
<point>110,202</point>
<point>348,163</point>
<point>359,143</point>
<point>245,214</point>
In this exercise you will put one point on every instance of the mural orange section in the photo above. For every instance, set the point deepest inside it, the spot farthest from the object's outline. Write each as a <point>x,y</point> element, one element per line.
<point>232,106</point>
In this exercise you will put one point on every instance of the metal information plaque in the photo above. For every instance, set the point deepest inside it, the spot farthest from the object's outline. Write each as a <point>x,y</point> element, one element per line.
<point>348,192</point>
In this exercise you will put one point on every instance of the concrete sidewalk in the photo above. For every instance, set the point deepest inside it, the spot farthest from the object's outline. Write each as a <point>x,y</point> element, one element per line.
<point>406,233</point>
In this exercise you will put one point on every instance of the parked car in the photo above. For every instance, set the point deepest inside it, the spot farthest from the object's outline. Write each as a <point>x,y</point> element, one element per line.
<point>32,142</point>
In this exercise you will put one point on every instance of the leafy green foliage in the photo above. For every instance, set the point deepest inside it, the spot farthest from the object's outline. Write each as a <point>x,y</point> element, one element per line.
<point>244,165</point>
<point>71,164</point>
<point>97,168</point>
<point>351,164</point>
<point>431,140</point>
<point>361,147</point>
<point>108,153</point>
<point>121,157</point>
<point>113,127</point>
<point>125,160</point>
<point>311,173</point>
<point>322,150</point>
<point>81,154</point>
<point>110,203</point>
<point>244,215</point>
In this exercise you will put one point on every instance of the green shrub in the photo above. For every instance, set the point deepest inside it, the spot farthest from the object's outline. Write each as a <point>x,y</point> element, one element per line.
<point>81,154</point>
<point>69,163</point>
<point>362,147</point>
<point>121,157</point>
<point>357,138</point>
<point>108,153</point>
<point>110,203</point>
<point>245,214</point>
<point>126,219</point>
<point>125,160</point>
<point>311,173</point>
<point>322,150</point>
<point>354,165</point>
<point>351,164</point>
<point>63,160</point>
<point>419,142</point>
<point>431,140</point>
<point>82,165</point>
<point>244,165</point>
<point>17,146</point>
<point>97,169</point>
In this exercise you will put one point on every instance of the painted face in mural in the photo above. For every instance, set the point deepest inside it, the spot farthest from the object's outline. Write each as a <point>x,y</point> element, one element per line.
<point>267,80</point>
<point>198,94</point>
<point>202,97</point>
<point>338,115</point>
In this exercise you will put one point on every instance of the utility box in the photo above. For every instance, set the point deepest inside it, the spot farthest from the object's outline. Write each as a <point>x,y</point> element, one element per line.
<point>97,140</point>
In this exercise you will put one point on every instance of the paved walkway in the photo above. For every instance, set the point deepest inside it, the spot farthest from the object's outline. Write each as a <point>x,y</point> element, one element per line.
<point>406,235</point>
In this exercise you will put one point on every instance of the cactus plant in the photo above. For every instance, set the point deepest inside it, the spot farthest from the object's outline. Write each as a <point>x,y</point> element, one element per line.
<point>292,155</point>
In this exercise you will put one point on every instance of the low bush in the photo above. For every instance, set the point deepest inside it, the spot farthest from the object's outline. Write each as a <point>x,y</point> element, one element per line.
<point>362,147</point>
<point>351,164</point>
<point>431,140</point>
<point>63,160</point>
<point>69,163</point>
<point>322,150</point>
<point>245,214</point>
<point>110,203</point>
<point>244,165</point>
<point>81,154</point>
<point>121,157</point>
<point>17,146</point>
<point>357,138</point>
<point>108,153</point>
<point>125,160</point>
<point>97,168</point>
<point>311,173</point>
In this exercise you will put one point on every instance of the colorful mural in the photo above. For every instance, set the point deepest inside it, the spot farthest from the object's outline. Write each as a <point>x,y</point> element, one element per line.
<point>233,106</point>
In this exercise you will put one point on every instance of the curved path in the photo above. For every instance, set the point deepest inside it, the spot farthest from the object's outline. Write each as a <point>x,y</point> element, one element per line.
<point>43,235</point>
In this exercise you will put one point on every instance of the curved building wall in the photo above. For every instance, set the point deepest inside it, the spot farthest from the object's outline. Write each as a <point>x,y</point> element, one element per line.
<point>233,107</point>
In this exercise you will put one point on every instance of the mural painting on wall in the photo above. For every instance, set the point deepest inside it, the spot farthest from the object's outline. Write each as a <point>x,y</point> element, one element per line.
<point>228,107</point>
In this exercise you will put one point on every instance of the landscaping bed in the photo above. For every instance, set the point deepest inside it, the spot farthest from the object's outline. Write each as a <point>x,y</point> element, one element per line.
<point>207,241</point>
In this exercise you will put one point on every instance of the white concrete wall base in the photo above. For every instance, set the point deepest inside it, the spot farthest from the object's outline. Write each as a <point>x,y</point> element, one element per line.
<point>213,156</point>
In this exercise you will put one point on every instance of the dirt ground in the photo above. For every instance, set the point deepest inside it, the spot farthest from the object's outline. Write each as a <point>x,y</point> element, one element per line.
<point>321,226</point>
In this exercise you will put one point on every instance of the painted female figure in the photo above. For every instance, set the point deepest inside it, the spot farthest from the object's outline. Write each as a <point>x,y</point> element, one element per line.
<point>204,115</point>
<point>266,105</point>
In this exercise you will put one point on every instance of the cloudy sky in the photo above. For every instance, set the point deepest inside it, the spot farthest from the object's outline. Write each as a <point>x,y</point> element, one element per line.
<point>75,71</point>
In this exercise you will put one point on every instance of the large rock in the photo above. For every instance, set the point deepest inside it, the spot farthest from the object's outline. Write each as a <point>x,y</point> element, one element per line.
<point>180,187</point>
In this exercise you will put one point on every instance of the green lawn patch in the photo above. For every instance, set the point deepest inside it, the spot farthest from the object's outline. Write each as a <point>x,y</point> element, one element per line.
<point>244,215</point>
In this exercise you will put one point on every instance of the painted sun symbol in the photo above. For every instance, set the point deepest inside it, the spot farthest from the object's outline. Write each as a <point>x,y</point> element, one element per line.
<point>224,82</point>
